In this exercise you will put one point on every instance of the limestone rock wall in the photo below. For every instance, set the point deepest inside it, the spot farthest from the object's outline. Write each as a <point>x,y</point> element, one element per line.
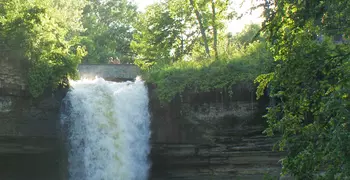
<point>13,79</point>
<point>27,125</point>
<point>212,136</point>
<point>29,141</point>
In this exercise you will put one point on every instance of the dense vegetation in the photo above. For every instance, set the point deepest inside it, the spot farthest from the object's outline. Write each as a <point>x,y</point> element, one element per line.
<point>171,36</point>
<point>109,30</point>
<point>300,55</point>
<point>54,36</point>
<point>244,64</point>
<point>184,45</point>
<point>46,34</point>
<point>170,30</point>
<point>310,83</point>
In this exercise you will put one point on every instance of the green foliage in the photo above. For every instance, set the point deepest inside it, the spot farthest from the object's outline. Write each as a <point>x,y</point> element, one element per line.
<point>169,30</point>
<point>310,84</point>
<point>44,33</point>
<point>268,176</point>
<point>109,30</point>
<point>164,33</point>
<point>229,43</point>
<point>247,35</point>
<point>173,54</point>
<point>203,76</point>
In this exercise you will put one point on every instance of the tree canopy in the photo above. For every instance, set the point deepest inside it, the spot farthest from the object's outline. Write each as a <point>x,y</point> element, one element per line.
<point>46,34</point>
<point>54,36</point>
<point>171,30</point>
<point>108,30</point>
<point>310,85</point>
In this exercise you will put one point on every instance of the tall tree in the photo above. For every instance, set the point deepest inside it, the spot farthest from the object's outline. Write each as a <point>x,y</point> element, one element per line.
<point>201,26</point>
<point>220,14</point>
<point>109,30</point>
<point>173,29</point>
<point>310,84</point>
<point>164,33</point>
<point>247,35</point>
<point>215,29</point>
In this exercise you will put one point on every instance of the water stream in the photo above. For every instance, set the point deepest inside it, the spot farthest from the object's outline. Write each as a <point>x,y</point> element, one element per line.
<point>107,130</point>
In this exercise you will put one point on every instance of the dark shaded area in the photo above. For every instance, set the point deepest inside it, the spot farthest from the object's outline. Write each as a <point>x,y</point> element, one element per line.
<point>30,147</point>
<point>211,135</point>
<point>41,166</point>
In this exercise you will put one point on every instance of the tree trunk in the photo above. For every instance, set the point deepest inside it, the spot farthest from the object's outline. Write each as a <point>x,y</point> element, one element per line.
<point>215,30</point>
<point>199,19</point>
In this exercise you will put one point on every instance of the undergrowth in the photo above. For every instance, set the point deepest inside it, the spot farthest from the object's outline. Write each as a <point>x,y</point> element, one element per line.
<point>208,74</point>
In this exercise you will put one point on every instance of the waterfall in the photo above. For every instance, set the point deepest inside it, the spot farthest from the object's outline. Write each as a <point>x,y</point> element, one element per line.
<point>107,129</point>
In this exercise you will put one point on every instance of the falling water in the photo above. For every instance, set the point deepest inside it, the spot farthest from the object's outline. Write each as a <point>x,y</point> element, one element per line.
<point>107,130</point>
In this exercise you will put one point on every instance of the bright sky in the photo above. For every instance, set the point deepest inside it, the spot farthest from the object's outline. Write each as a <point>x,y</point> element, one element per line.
<point>233,26</point>
<point>142,4</point>
<point>236,26</point>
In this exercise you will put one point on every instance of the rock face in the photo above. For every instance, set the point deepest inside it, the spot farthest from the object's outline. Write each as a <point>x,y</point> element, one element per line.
<point>27,125</point>
<point>212,136</point>
<point>29,143</point>
<point>12,77</point>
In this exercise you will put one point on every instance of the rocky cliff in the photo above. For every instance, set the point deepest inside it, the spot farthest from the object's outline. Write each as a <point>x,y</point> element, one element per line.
<point>12,77</point>
<point>29,143</point>
<point>214,135</point>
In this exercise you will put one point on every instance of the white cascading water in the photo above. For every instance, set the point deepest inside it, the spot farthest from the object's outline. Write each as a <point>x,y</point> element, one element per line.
<point>108,130</point>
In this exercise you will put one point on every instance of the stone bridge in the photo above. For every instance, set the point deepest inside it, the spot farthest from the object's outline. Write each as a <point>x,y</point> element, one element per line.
<point>111,72</point>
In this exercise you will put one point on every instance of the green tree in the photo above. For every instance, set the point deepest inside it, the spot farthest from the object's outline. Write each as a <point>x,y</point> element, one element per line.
<point>310,84</point>
<point>172,29</point>
<point>231,44</point>
<point>220,14</point>
<point>202,26</point>
<point>44,33</point>
<point>211,16</point>
<point>236,65</point>
<point>164,34</point>
<point>109,30</point>
<point>247,36</point>
<point>215,29</point>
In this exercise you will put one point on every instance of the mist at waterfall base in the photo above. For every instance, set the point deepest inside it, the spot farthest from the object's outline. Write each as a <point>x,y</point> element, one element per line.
<point>107,130</point>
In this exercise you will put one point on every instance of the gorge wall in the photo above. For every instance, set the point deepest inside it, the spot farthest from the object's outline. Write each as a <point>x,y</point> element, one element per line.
<point>213,135</point>
<point>29,146</point>
<point>202,136</point>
